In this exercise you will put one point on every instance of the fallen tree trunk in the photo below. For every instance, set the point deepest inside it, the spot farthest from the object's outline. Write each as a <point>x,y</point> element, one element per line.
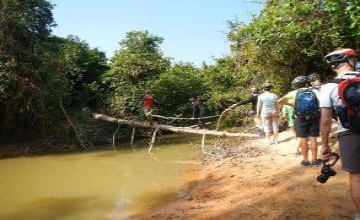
<point>178,118</point>
<point>169,128</point>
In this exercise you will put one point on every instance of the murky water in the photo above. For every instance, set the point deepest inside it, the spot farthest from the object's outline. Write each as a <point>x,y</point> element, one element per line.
<point>97,185</point>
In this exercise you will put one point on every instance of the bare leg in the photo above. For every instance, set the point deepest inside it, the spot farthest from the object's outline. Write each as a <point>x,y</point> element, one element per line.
<point>314,148</point>
<point>266,121</point>
<point>297,140</point>
<point>304,148</point>
<point>275,127</point>
<point>276,135</point>
<point>293,132</point>
<point>258,124</point>
<point>354,179</point>
<point>268,134</point>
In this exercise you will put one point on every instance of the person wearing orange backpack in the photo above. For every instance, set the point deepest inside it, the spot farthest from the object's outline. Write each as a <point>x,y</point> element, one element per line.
<point>342,62</point>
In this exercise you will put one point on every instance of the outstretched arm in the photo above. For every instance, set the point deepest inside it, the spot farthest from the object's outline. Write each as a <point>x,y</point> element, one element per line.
<point>247,101</point>
<point>243,102</point>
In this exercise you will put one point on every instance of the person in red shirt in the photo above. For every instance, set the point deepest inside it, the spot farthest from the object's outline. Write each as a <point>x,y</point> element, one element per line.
<point>148,105</point>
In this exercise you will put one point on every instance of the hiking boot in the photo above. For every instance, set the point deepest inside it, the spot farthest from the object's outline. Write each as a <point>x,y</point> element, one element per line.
<point>316,163</point>
<point>305,163</point>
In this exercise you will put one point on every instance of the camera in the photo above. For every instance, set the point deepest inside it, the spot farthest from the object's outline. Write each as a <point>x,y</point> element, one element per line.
<point>326,170</point>
<point>326,173</point>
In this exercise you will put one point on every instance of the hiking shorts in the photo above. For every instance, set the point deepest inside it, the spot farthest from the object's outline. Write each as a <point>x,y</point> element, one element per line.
<point>307,128</point>
<point>148,112</point>
<point>270,122</point>
<point>349,144</point>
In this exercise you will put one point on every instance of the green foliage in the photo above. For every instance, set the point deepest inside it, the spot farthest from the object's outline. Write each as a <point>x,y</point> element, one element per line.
<point>140,57</point>
<point>24,27</point>
<point>82,68</point>
<point>290,38</point>
<point>223,83</point>
<point>132,70</point>
<point>175,87</point>
<point>37,70</point>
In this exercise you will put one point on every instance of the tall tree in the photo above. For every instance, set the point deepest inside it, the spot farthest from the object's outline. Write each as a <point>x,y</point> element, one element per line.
<point>138,62</point>
<point>291,37</point>
<point>174,88</point>
<point>24,25</point>
<point>82,68</point>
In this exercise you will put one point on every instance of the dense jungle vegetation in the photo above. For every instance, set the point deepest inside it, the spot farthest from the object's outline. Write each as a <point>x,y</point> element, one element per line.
<point>46,81</point>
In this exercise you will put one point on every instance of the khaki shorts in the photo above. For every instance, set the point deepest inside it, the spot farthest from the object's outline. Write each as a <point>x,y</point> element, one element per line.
<point>258,123</point>
<point>270,122</point>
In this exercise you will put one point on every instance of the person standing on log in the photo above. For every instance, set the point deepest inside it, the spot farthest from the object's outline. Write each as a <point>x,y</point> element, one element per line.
<point>148,106</point>
<point>199,111</point>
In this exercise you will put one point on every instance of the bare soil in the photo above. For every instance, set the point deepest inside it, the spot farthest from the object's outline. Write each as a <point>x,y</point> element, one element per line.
<point>266,182</point>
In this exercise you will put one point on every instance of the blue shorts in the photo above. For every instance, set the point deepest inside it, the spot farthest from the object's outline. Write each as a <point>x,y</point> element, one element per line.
<point>307,128</point>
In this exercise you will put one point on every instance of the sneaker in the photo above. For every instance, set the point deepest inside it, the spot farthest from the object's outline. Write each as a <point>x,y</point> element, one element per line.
<point>316,163</point>
<point>305,163</point>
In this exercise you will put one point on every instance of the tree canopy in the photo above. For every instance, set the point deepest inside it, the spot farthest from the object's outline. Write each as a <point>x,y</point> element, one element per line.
<point>39,72</point>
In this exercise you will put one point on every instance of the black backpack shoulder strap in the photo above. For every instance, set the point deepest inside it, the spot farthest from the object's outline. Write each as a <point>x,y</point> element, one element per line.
<point>336,80</point>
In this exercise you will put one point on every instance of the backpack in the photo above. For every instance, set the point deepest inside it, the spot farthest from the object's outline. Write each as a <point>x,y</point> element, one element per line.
<point>349,94</point>
<point>306,104</point>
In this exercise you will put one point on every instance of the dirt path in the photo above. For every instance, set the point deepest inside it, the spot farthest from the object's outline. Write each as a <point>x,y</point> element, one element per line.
<point>271,185</point>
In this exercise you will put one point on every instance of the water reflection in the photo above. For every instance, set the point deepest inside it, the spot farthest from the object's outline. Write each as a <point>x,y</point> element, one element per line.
<point>94,185</point>
<point>54,208</point>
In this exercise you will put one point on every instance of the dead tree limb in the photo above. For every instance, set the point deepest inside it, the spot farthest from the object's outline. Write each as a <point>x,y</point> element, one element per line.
<point>178,118</point>
<point>78,133</point>
<point>132,137</point>
<point>113,137</point>
<point>223,114</point>
<point>170,128</point>
<point>153,140</point>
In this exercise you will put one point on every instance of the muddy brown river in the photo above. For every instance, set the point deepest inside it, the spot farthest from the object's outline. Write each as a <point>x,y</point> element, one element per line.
<point>96,185</point>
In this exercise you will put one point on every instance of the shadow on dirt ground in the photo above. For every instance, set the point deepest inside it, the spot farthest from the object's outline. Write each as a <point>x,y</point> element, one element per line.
<point>269,185</point>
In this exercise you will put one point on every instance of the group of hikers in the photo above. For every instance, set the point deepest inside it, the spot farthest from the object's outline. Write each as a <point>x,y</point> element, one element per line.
<point>199,109</point>
<point>299,108</point>
<point>310,110</point>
